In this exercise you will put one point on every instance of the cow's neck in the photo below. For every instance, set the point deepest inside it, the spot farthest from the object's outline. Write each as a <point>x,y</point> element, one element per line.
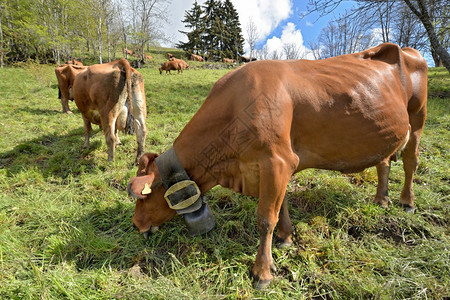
<point>203,150</point>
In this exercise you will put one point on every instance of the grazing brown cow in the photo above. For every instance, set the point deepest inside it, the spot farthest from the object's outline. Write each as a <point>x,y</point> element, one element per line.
<point>267,120</point>
<point>147,56</point>
<point>75,62</point>
<point>170,65</point>
<point>228,60</point>
<point>127,52</point>
<point>183,65</point>
<point>101,94</point>
<point>196,57</point>
<point>65,74</point>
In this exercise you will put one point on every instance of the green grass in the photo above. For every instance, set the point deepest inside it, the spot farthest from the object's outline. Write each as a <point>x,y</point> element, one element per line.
<point>65,217</point>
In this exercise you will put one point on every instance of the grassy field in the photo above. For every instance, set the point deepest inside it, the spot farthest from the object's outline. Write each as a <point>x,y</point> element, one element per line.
<point>65,216</point>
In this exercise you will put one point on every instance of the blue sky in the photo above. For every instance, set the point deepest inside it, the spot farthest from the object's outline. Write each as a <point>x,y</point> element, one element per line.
<point>278,21</point>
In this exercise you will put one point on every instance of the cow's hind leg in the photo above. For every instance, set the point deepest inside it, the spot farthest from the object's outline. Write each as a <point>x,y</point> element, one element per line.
<point>139,114</point>
<point>87,132</point>
<point>108,125</point>
<point>382,196</point>
<point>274,174</point>
<point>284,230</point>
<point>411,160</point>
<point>65,106</point>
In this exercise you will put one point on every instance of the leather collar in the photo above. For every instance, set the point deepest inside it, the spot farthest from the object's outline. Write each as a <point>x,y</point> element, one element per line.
<point>172,172</point>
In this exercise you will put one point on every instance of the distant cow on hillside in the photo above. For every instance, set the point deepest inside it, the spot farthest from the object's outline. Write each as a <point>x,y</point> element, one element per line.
<point>170,55</point>
<point>196,57</point>
<point>228,60</point>
<point>170,65</point>
<point>127,51</point>
<point>183,65</point>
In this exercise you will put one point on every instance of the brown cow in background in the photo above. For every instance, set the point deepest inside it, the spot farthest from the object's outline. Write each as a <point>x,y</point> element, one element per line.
<point>228,60</point>
<point>101,94</point>
<point>170,65</point>
<point>182,64</point>
<point>65,74</point>
<point>196,57</point>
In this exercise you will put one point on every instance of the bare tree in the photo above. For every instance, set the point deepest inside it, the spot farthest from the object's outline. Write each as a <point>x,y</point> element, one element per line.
<point>100,11</point>
<point>146,17</point>
<point>407,30</point>
<point>252,35</point>
<point>315,49</point>
<point>291,51</point>
<point>264,52</point>
<point>274,55</point>
<point>423,9</point>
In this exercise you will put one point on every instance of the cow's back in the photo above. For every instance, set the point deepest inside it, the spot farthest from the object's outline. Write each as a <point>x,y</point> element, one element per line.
<point>346,113</point>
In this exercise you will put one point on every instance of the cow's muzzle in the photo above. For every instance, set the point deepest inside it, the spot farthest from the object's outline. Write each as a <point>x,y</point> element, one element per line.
<point>152,230</point>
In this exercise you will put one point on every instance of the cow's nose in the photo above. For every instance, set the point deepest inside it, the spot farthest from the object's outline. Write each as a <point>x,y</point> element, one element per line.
<point>134,226</point>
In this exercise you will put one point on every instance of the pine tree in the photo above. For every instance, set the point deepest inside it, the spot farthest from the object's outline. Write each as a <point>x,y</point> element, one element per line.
<point>211,31</point>
<point>193,20</point>
<point>235,41</point>
<point>216,31</point>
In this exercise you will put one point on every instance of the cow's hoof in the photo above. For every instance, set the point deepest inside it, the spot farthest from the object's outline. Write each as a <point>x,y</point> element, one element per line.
<point>408,208</point>
<point>262,284</point>
<point>68,112</point>
<point>283,243</point>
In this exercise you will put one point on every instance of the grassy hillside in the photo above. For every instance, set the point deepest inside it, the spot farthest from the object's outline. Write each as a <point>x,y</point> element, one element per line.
<point>65,217</point>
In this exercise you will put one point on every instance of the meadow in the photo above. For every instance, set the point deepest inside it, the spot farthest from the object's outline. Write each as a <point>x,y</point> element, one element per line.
<point>65,215</point>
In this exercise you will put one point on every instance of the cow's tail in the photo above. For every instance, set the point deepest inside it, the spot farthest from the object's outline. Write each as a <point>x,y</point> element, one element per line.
<point>129,126</point>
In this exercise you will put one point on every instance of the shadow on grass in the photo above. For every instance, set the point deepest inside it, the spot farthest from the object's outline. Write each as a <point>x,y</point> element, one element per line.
<point>52,155</point>
<point>38,111</point>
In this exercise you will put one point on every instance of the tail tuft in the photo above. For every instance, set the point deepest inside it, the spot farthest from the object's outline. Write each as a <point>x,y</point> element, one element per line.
<point>129,126</point>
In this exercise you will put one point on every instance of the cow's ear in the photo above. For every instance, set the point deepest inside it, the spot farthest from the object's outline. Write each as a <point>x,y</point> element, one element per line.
<point>145,161</point>
<point>141,186</point>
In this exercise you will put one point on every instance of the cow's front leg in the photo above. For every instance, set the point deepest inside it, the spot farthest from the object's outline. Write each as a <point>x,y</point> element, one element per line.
<point>274,177</point>
<point>87,132</point>
<point>410,157</point>
<point>382,196</point>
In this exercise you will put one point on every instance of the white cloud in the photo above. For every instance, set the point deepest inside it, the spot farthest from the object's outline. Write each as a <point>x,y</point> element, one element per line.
<point>266,14</point>
<point>290,35</point>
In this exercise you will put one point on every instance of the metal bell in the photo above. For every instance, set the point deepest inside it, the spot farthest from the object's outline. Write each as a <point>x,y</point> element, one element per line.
<point>200,221</point>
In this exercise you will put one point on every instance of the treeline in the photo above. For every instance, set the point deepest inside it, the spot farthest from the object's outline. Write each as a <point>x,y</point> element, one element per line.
<point>215,31</point>
<point>420,24</point>
<point>51,31</point>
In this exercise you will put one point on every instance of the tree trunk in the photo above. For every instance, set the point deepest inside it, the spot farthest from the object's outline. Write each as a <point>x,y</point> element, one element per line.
<point>1,45</point>
<point>99,33</point>
<point>434,41</point>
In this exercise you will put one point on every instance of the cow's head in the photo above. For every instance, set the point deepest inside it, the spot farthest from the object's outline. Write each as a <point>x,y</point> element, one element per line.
<point>151,208</point>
